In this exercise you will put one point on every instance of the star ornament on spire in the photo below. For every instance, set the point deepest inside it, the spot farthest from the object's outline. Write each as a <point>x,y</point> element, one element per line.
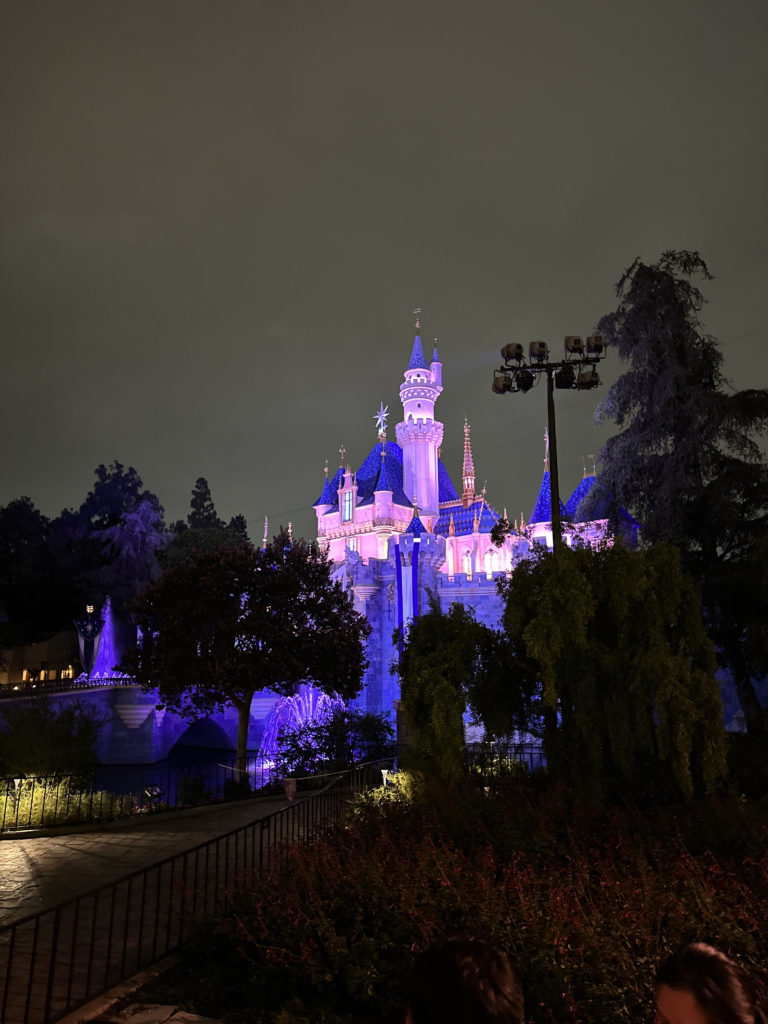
<point>381,418</point>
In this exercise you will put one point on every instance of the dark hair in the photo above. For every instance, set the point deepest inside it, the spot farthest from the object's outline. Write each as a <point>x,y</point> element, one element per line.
<point>464,981</point>
<point>723,990</point>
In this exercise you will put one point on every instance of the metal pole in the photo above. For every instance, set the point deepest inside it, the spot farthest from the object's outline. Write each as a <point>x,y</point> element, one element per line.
<point>554,486</point>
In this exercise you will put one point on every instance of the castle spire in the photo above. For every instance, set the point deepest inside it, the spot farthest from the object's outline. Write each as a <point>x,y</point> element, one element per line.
<point>468,470</point>
<point>419,434</point>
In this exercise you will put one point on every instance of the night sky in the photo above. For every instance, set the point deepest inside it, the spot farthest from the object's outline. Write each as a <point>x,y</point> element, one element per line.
<point>217,218</point>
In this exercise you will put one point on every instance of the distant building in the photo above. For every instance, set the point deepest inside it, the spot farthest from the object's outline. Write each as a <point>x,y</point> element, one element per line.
<point>45,663</point>
<point>398,526</point>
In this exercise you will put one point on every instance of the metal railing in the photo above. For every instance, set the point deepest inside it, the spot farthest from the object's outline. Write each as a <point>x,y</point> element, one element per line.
<point>501,759</point>
<point>55,961</point>
<point>38,687</point>
<point>105,793</point>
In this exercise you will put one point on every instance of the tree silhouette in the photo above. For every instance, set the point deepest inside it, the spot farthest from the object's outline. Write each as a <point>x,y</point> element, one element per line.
<point>222,625</point>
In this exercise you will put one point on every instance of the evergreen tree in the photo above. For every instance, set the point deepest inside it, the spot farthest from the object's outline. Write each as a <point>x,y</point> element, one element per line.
<point>203,512</point>
<point>31,591</point>
<point>221,625</point>
<point>686,462</point>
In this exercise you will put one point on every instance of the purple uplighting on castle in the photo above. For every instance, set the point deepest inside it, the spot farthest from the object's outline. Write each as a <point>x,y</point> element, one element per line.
<point>398,526</point>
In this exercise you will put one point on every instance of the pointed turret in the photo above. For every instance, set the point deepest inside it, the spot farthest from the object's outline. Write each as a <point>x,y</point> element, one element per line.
<point>384,483</point>
<point>467,471</point>
<point>418,360</point>
<point>436,368</point>
<point>420,435</point>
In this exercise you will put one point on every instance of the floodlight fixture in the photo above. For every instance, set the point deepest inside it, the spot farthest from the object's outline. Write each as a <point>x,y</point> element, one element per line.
<point>513,352</point>
<point>595,345</point>
<point>574,346</point>
<point>578,370</point>
<point>538,351</point>
<point>524,380</point>
<point>587,379</point>
<point>502,382</point>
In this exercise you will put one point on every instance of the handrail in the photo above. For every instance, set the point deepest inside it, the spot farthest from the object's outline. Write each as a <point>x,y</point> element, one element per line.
<point>58,959</point>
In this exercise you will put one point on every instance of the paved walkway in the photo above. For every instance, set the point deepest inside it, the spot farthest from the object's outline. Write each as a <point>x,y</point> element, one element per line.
<point>43,871</point>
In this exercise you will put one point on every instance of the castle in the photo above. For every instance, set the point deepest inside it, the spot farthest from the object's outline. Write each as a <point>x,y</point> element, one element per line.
<point>398,527</point>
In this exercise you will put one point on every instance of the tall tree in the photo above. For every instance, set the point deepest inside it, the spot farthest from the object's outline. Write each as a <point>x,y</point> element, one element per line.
<point>117,490</point>
<point>202,513</point>
<point>450,662</point>
<point>132,546</point>
<point>30,589</point>
<point>626,670</point>
<point>221,625</point>
<point>686,462</point>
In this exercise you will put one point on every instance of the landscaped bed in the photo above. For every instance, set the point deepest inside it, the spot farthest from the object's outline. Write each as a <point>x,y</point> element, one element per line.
<point>587,902</point>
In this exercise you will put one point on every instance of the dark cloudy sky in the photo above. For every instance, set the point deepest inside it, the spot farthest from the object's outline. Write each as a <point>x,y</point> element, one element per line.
<point>217,217</point>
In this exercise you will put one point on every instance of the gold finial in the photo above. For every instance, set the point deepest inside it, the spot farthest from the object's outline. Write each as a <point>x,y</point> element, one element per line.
<point>325,468</point>
<point>417,314</point>
<point>342,453</point>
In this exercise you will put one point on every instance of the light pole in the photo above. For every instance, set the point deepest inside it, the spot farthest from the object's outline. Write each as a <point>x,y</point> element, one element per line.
<point>577,370</point>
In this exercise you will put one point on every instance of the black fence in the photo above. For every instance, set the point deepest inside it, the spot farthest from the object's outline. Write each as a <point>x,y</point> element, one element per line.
<point>53,962</point>
<point>502,759</point>
<point>107,793</point>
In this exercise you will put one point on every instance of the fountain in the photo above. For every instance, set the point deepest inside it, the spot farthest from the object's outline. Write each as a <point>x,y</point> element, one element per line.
<point>308,704</point>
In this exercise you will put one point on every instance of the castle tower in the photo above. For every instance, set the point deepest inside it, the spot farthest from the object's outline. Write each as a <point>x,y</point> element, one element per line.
<point>420,435</point>
<point>468,471</point>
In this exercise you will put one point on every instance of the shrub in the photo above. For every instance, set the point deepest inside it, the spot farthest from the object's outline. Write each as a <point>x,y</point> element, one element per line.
<point>192,790</point>
<point>587,902</point>
<point>345,738</point>
<point>236,788</point>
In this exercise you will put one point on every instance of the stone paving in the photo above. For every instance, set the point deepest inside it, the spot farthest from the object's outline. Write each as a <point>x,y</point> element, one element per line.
<point>49,868</point>
<point>40,872</point>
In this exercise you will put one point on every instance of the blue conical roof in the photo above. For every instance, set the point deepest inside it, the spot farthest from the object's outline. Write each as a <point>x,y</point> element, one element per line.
<point>418,360</point>
<point>445,489</point>
<point>435,354</point>
<point>572,505</point>
<point>542,510</point>
<point>330,493</point>
<point>384,483</point>
<point>416,527</point>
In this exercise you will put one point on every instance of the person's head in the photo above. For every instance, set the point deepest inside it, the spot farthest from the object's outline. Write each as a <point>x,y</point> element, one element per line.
<point>464,981</point>
<point>701,985</point>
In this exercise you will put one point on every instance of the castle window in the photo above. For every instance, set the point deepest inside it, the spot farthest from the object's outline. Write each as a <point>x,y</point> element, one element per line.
<point>346,515</point>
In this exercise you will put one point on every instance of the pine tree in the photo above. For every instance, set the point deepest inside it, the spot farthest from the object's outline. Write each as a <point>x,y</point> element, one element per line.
<point>203,512</point>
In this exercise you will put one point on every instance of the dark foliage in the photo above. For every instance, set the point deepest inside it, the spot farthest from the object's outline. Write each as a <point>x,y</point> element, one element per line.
<point>38,740</point>
<point>223,624</point>
<point>629,695</point>
<point>586,903</point>
<point>345,738</point>
<point>448,662</point>
<point>686,462</point>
